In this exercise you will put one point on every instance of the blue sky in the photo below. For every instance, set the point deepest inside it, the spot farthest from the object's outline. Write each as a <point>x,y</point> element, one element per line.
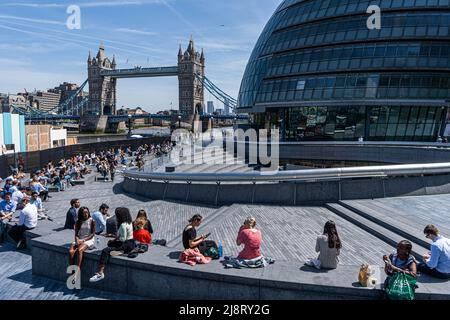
<point>38,51</point>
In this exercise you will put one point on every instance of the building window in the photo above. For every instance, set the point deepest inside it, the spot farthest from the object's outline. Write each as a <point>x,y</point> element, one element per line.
<point>301,84</point>
<point>59,143</point>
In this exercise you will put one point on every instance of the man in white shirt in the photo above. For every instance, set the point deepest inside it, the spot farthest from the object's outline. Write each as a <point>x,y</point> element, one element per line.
<point>18,195</point>
<point>27,221</point>
<point>436,263</point>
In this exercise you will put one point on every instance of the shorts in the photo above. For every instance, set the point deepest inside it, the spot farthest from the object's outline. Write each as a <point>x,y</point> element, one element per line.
<point>90,244</point>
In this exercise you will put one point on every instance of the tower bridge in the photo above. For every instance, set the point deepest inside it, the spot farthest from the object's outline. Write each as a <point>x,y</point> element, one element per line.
<point>98,111</point>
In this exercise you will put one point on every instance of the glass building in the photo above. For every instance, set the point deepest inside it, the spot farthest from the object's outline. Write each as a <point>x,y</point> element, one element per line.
<point>318,72</point>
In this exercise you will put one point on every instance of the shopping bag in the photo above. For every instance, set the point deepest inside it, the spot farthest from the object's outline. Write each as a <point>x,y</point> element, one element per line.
<point>401,287</point>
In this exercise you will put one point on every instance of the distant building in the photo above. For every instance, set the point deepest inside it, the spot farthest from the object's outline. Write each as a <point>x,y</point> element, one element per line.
<point>8,101</point>
<point>319,69</point>
<point>210,108</point>
<point>12,133</point>
<point>66,91</point>
<point>45,101</point>
<point>134,112</point>
<point>226,107</point>
<point>43,137</point>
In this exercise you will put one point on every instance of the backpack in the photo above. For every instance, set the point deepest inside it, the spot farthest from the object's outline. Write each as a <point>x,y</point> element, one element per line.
<point>209,248</point>
<point>212,253</point>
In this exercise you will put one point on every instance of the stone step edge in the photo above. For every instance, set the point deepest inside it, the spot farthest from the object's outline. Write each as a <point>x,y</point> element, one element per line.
<point>374,229</point>
<point>386,225</point>
<point>216,214</point>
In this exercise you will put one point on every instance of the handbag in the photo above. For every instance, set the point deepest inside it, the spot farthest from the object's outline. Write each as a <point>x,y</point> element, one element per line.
<point>212,252</point>
<point>401,287</point>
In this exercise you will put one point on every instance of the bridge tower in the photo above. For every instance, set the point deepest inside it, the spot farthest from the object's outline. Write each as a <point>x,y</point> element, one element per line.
<point>102,90</point>
<point>191,90</point>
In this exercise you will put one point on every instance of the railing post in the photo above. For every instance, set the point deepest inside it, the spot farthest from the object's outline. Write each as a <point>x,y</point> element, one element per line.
<point>217,192</point>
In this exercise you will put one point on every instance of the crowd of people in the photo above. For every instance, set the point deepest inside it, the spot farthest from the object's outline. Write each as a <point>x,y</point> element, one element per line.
<point>128,234</point>
<point>125,232</point>
<point>328,246</point>
<point>24,193</point>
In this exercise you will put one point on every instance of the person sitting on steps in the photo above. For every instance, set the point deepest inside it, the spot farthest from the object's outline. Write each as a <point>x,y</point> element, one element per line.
<point>84,236</point>
<point>124,242</point>
<point>437,262</point>
<point>329,246</point>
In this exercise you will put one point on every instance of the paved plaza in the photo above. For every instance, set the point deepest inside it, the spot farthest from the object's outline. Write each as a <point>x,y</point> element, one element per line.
<point>289,233</point>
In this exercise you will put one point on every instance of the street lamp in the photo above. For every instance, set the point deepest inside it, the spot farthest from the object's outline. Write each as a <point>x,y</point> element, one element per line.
<point>179,122</point>
<point>129,124</point>
<point>212,128</point>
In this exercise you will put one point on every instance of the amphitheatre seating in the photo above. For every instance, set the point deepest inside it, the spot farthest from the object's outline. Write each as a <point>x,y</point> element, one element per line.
<point>100,178</point>
<point>158,275</point>
<point>52,189</point>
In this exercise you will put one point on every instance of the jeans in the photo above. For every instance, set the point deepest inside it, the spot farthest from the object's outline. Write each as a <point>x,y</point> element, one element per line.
<point>43,195</point>
<point>116,245</point>
<point>2,231</point>
<point>422,267</point>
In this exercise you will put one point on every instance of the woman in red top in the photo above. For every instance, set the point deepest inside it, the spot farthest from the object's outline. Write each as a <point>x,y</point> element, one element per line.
<point>141,234</point>
<point>251,238</point>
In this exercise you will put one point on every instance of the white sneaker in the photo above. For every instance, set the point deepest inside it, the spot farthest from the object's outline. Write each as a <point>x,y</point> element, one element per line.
<point>313,263</point>
<point>97,277</point>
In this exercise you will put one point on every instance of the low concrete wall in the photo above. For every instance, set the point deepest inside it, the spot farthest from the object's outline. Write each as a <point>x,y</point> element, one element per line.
<point>290,193</point>
<point>158,275</point>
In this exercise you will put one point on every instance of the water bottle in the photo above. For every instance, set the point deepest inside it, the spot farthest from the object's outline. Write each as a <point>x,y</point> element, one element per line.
<point>220,250</point>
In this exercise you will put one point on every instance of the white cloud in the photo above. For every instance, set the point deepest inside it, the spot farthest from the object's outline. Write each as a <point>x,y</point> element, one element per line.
<point>45,21</point>
<point>33,5</point>
<point>136,31</point>
<point>91,4</point>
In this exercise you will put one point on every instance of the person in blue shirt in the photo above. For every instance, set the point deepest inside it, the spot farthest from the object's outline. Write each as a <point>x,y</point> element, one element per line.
<point>36,186</point>
<point>36,201</point>
<point>7,209</point>
<point>437,262</point>
<point>7,186</point>
<point>100,219</point>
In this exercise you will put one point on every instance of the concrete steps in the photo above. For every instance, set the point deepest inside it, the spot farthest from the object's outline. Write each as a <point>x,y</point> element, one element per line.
<point>178,241</point>
<point>377,230</point>
<point>389,222</point>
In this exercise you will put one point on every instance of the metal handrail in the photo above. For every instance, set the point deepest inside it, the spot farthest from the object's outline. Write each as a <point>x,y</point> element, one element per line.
<point>388,144</point>
<point>300,175</point>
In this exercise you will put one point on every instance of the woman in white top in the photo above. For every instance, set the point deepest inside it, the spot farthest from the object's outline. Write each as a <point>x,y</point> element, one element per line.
<point>84,236</point>
<point>124,242</point>
<point>328,245</point>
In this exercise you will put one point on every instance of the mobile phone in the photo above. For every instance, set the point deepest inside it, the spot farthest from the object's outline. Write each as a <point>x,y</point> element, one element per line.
<point>207,236</point>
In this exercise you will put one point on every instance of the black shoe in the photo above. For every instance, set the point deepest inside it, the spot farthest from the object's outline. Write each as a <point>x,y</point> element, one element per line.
<point>21,245</point>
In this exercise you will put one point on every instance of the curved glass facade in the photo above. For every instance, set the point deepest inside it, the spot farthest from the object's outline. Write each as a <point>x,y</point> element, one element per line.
<point>318,72</point>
